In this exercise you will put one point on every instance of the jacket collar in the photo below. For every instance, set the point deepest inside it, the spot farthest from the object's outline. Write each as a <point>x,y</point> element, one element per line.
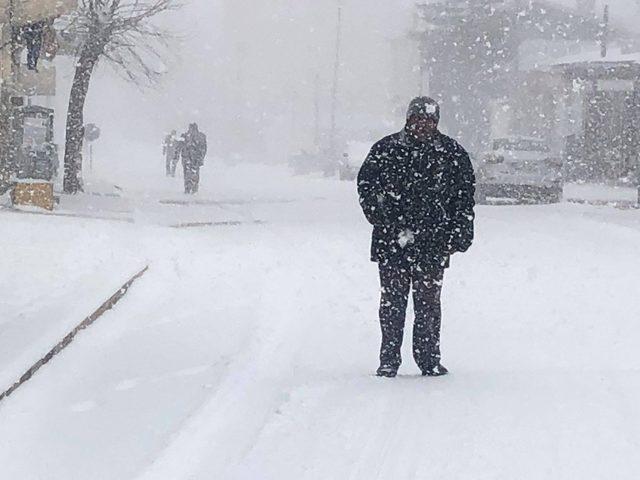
<point>409,140</point>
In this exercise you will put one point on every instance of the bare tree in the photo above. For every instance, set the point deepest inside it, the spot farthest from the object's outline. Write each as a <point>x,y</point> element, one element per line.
<point>120,32</point>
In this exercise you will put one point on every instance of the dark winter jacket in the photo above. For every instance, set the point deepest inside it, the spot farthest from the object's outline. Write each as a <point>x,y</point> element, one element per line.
<point>425,189</point>
<point>194,148</point>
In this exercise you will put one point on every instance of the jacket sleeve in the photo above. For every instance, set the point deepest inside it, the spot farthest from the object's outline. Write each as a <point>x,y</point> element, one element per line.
<point>370,187</point>
<point>461,214</point>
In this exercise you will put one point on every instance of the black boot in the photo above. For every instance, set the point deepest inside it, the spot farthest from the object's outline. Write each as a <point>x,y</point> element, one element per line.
<point>386,371</point>
<point>435,371</point>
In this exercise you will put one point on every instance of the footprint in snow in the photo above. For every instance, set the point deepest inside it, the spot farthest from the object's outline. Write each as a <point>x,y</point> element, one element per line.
<point>188,372</point>
<point>126,385</point>
<point>84,406</point>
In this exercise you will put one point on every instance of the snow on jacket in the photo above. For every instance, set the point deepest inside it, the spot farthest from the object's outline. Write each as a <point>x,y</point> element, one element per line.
<point>194,147</point>
<point>418,197</point>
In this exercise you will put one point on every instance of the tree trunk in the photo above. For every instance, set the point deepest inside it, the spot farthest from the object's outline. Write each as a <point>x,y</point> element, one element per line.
<point>75,119</point>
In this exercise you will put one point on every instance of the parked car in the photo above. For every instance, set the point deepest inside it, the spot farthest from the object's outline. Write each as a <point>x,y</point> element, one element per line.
<point>352,159</point>
<point>305,163</point>
<point>520,167</point>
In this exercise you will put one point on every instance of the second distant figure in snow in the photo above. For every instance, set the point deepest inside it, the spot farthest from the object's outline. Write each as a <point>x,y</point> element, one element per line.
<point>193,149</point>
<point>171,151</point>
<point>416,188</point>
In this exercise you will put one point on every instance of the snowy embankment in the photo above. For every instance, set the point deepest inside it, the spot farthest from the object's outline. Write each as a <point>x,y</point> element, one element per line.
<point>54,273</point>
<point>246,352</point>
<point>601,194</point>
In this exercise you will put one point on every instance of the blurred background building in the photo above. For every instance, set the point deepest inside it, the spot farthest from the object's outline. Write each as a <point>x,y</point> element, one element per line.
<point>28,44</point>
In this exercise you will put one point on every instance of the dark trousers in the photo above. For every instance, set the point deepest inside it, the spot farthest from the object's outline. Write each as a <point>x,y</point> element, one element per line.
<point>396,280</point>
<point>171,163</point>
<point>191,177</point>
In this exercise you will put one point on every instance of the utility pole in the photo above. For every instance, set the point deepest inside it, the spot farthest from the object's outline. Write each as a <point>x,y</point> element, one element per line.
<point>316,107</point>
<point>604,32</point>
<point>336,77</point>
<point>420,38</point>
<point>425,72</point>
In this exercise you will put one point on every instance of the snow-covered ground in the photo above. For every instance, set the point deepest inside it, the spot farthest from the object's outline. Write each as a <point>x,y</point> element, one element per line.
<point>246,351</point>
<point>590,193</point>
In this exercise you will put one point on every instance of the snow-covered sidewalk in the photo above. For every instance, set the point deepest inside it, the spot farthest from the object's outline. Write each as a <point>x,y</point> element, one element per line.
<point>601,194</point>
<point>246,352</point>
<point>55,272</point>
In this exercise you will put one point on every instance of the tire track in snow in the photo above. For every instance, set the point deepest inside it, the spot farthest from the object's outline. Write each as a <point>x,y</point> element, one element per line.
<point>219,437</point>
<point>225,429</point>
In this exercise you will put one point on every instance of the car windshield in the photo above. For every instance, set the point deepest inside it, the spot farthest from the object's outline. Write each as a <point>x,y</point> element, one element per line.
<point>520,145</point>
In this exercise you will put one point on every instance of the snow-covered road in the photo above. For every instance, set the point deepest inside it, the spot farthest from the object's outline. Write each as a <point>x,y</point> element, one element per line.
<point>246,352</point>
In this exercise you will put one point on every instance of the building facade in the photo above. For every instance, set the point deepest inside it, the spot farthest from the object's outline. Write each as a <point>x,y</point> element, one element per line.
<point>27,40</point>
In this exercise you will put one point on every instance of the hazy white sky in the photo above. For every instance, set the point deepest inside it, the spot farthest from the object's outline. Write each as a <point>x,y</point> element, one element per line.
<point>249,68</point>
<point>246,70</point>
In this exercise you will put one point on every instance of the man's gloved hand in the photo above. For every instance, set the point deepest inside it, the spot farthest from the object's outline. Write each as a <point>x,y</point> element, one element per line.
<point>406,237</point>
<point>457,243</point>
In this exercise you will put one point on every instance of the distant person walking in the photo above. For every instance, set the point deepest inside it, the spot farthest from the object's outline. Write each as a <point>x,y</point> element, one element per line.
<point>170,150</point>
<point>416,188</point>
<point>193,151</point>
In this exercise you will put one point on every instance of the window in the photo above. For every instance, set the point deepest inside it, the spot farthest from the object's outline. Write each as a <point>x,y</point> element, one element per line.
<point>35,132</point>
<point>520,145</point>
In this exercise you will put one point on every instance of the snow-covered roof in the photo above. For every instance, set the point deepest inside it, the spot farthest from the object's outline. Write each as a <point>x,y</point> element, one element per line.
<point>613,55</point>
<point>519,137</point>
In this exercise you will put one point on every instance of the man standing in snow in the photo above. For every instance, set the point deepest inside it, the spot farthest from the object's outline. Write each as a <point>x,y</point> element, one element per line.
<point>416,188</point>
<point>193,150</point>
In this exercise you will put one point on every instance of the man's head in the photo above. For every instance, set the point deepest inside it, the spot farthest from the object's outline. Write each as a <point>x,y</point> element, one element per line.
<point>423,116</point>
<point>193,127</point>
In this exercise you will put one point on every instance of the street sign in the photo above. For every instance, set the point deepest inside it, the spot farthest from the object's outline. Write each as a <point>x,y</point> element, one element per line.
<point>91,132</point>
